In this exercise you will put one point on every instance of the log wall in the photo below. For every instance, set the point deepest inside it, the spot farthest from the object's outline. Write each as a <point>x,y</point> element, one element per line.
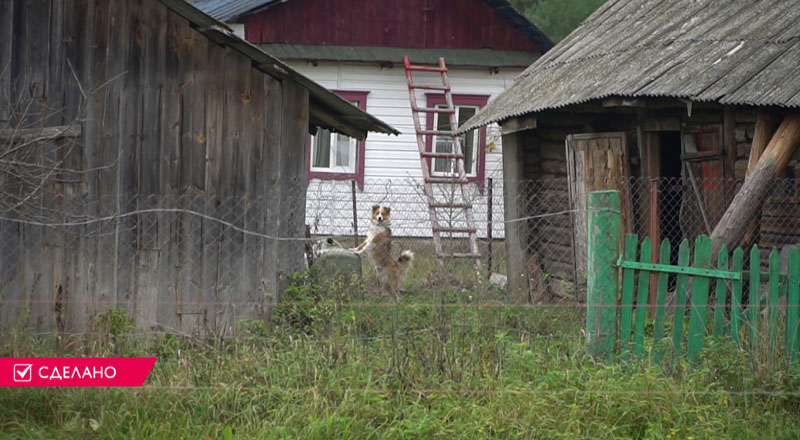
<point>549,248</point>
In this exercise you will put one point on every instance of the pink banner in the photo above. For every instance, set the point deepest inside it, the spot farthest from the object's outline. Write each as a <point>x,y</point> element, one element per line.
<point>74,372</point>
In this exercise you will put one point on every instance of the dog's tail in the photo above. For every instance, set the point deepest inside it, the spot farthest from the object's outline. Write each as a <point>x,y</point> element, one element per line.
<point>404,264</point>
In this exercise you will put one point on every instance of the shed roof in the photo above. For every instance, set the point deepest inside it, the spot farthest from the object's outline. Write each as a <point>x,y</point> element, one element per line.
<point>740,52</point>
<point>227,10</point>
<point>326,109</point>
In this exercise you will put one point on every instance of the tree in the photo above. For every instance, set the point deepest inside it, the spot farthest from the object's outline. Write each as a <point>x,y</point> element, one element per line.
<point>557,18</point>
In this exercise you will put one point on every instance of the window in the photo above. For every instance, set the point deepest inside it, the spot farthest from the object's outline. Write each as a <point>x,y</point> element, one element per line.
<point>472,143</point>
<point>444,144</point>
<point>333,152</point>
<point>335,156</point>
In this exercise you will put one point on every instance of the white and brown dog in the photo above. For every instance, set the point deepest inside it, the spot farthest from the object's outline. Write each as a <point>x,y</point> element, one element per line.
<point>378,247</point>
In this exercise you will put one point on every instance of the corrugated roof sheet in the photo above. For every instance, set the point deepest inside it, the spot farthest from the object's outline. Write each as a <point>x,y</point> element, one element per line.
<point>454,57</point>
<point>744,52</point>
<point>346,117</point>
<point>226,10</point>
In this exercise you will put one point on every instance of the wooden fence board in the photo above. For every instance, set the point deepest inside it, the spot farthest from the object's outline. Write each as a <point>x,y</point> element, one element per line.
<point>680,298</point>
<point>792,303</point>
<point>641,300</point>
<point>736,298</point>
<point>699,299</point>
<point>752,322</point>
<point>772,306</point>
<point>627,292</point>
<point>661,300</point>
<point>720,298</point>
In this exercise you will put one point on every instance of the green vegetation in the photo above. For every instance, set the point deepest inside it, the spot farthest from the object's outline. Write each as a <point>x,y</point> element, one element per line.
<point>557,18</point>
<point>347,364</point>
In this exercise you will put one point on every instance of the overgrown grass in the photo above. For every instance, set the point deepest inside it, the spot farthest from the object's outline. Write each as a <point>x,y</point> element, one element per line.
<point>439,365</point>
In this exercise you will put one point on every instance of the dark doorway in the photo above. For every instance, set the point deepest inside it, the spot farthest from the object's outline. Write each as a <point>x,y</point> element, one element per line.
<point>671,190</point>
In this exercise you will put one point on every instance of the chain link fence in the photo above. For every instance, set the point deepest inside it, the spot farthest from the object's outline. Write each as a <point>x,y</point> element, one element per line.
<point>197,263</point>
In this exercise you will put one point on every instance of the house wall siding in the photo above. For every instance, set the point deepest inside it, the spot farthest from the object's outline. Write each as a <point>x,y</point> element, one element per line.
<point>413,24</point>
<point>396,158</point>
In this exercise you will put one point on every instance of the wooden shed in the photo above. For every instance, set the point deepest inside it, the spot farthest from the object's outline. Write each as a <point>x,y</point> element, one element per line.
<point>164,109</point>
<point>641,90</point>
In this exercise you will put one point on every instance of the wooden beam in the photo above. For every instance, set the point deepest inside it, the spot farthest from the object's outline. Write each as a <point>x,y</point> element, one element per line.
<point>514,205</point>
<point>739,215</point>
<point>662,124</point>
<point>765,128</point>
<point>521,123</point>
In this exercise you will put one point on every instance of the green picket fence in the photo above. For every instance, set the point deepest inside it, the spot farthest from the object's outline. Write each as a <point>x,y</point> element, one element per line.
<point>710,290</point>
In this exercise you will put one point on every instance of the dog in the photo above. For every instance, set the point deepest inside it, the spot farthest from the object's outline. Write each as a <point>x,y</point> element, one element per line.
<point>378,248</point>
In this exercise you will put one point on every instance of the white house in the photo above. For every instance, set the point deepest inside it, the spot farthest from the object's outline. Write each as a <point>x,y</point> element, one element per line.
<point>356,49</point>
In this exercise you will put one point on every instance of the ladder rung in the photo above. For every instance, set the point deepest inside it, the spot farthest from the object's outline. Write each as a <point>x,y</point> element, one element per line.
<point>460,255</point>
<point>426,87</point>
<point>426,68</point>
<point>445,180</point>
<point>433,110</point>
<point>450,205</point>
<point>437,132</point>
<point>461,230</point>
<point>441,155</point>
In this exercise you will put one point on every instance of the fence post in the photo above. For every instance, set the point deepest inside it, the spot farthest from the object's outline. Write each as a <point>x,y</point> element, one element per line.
<point>355,213</point>
<point>603,275</point>
<point>655,240</point>
<point>489,230</point>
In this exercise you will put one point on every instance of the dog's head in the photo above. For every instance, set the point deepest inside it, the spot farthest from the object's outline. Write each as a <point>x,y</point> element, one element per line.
<point>381,215</point>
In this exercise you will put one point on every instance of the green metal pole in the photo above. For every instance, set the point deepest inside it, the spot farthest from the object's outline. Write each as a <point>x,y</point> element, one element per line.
<point>603,275</point>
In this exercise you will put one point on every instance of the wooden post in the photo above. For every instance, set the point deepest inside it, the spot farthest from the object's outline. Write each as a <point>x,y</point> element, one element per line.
<point>655,240</point>
<point>765,127</point>
<point>603,276</point>
<point>516,240</point>
<point>355,213</point>
<point>737,218</point>
<point>489,230</point>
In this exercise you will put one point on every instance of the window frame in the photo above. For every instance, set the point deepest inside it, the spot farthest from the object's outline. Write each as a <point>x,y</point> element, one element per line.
<point>316,173</point>
<point>479,101</point>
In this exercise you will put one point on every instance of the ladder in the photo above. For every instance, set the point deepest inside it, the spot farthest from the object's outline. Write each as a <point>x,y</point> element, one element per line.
<point>453,178</point>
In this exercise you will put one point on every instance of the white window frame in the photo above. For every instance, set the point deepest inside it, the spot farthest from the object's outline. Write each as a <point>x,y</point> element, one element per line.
<point>334,147</point>
<point>462,139</point>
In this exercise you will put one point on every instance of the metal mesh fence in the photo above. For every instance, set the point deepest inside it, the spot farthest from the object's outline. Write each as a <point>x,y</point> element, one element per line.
<point>198,263</point>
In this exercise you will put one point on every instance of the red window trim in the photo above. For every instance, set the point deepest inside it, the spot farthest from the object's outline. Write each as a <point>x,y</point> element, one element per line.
<point>358,176</point>
<point>434,99</point>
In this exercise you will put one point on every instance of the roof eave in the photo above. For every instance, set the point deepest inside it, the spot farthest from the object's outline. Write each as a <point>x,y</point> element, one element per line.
<point>335,109</point>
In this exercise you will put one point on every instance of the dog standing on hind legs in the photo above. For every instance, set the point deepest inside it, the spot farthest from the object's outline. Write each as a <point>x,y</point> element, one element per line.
<point>378,247</point>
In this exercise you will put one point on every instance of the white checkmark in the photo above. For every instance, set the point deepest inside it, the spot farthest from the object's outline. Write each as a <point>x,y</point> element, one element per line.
<point>23,373</point>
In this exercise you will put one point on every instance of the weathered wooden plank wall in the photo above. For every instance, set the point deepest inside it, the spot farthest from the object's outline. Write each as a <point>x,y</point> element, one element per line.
<point>169,120</point>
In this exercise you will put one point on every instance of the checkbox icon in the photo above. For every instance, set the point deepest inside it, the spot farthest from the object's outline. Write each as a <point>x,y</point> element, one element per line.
<point>22,372</point>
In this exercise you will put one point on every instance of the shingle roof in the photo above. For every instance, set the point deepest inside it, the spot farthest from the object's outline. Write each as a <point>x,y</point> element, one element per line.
<point>226,10</point>
<point>345,117</point>
<point>728,51</point>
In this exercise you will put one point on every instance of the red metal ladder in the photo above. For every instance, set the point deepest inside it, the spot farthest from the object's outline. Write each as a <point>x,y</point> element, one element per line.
<point>457,178</point>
